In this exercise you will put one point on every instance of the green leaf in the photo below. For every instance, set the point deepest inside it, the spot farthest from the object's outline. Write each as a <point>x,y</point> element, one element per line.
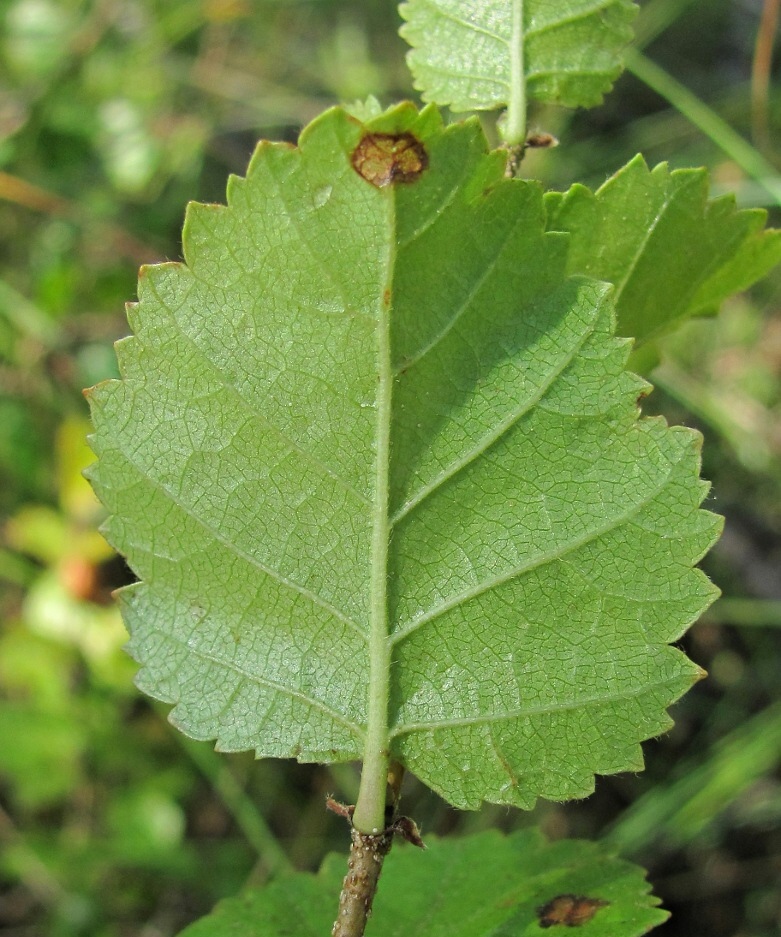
<point>483,56</point>
<point>479,886</point>
<point>378,464</point>
<point>670,252</point>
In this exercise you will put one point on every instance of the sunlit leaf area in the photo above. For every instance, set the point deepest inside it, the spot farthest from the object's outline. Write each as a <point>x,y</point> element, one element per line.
<point>114,114</point>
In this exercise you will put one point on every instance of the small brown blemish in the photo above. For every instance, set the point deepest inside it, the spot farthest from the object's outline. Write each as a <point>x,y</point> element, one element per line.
<point>385,158</point>
<point>541,140</point>
<point>569,910</point>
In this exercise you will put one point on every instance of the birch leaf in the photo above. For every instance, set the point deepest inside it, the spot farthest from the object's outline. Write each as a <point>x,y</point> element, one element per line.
<point>487,55</point>
<point>378,465</point>
<point>670,252</point>
<point>478,886</point>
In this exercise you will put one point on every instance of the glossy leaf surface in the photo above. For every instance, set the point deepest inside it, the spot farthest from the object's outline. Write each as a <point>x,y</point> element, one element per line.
<point>377,461</point>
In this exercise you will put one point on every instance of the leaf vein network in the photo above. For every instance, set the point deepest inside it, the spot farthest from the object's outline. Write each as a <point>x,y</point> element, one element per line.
<point>587,72</point>
<point>450,73</point>
<point>304,242</point>
<point>491,437</point>
<point>598,7</point>
<point>549,557</point>
<point>273,685</point>
<point>632,265</point>
<point>506,766</point>
<point>275,574</point>
<point>544,709</point>
<point>255,411</point>
<point>447,14</point>
<point>438,211</point>
<point>451,322</point>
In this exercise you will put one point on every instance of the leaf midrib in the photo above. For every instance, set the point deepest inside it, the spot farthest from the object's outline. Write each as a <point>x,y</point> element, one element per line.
<point>369,815</point>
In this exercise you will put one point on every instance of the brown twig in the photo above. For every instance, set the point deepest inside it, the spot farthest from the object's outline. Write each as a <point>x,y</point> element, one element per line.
<point>367,854</point>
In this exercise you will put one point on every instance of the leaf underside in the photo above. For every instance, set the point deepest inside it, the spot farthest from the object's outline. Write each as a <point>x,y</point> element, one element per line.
<point>476,56</point>
<point>539,536</point>
<point>670,252</point>
<point>479,886</point>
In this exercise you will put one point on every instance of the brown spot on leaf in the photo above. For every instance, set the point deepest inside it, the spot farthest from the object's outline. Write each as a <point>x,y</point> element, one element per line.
<point>569,910</point>
<point>385,158</point>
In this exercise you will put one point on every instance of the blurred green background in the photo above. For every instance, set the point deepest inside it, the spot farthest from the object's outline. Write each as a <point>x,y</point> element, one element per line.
<point>113,114</point>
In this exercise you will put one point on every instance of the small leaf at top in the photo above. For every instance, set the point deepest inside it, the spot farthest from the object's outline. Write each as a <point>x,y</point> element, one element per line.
<point>491,54</point>
<point>377,462</point>
<point>478,886</point>
<point>670,252</point>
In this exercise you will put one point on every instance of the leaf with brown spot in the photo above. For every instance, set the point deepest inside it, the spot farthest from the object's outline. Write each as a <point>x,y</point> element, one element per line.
<point>569,910</point>
<point>385,158</point>
<point>476,886</point>
<point>433,530</point>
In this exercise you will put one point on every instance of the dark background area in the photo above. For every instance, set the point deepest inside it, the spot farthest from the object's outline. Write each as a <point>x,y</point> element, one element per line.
<point>115,113</point>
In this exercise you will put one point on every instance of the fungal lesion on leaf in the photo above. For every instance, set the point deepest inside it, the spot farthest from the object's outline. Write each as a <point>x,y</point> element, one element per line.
<point>569,910</point>
<point>387,158</point>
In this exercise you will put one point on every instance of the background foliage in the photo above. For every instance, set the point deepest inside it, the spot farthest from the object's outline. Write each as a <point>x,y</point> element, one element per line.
<point>113,113</point>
